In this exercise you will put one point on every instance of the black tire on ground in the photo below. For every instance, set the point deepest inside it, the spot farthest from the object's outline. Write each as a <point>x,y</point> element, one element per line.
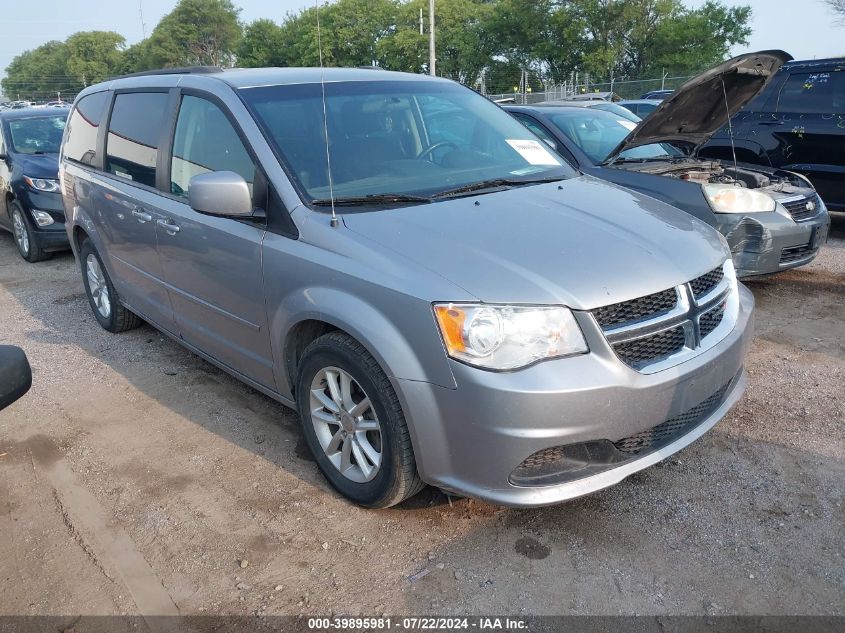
<point>120,318</point>
<point>396,478</point>
<point>30,249</point>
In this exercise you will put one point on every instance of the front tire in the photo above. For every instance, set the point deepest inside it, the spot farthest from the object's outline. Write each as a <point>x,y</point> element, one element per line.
<point>104,300</point>
<point>26,239</point>
<point>353,423</point>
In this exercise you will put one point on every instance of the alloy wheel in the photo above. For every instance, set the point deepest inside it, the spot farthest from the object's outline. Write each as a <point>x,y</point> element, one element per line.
<point>346,424</point>
<point>21,235</point>
<point>98,286</point>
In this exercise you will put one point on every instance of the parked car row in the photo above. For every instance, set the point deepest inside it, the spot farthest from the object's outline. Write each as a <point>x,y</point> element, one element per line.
<point>444,298</point>
<point>773,219</point>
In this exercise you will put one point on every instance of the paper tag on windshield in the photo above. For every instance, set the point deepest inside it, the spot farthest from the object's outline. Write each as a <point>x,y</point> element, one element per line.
<point>533,152</point>
<point>627,124</point>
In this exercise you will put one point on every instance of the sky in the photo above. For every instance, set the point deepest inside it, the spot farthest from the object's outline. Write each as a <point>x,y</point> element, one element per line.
<point>804,28</point>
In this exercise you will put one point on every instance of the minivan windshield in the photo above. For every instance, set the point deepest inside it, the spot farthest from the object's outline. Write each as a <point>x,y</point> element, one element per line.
<point>598,133</point>
<point>37,135</point>
<point>400,141</point>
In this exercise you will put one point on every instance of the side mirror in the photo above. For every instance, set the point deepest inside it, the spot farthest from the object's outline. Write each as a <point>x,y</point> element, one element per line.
<point>222,193</point>
<point>15,374</point>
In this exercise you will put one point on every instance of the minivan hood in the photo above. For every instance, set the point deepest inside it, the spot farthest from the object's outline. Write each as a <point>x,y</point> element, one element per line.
<point>39,165</point>
<point>696,111</point>
<point>582,243</point>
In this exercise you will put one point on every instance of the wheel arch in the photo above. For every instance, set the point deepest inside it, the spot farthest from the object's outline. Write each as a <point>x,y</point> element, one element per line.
<point>421,359</point>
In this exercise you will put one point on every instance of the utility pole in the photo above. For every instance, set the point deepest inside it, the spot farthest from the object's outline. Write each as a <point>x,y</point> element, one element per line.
<point>431,54</point>
<point>421,21</point>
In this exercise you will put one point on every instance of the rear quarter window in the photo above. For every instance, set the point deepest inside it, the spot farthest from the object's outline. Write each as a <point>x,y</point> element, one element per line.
<point>82,127</point>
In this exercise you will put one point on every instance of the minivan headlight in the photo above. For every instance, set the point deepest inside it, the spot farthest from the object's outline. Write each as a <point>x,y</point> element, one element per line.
<point>733,199</point>
<point>42,184</point>
<point>507,337</point>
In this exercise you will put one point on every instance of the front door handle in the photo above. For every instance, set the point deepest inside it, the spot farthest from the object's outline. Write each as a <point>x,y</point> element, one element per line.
<point>169,226</point>
<point>142,216</point>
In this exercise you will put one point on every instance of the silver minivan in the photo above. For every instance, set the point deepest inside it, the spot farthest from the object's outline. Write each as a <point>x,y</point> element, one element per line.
<point>442,298</point>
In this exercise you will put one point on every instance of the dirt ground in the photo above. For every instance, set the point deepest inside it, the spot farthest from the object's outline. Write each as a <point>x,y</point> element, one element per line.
<point>135,478</point>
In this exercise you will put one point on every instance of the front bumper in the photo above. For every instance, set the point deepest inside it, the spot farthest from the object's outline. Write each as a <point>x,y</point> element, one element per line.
<point>470,440</point>
<point>765,243</point>
<point>52,237</point>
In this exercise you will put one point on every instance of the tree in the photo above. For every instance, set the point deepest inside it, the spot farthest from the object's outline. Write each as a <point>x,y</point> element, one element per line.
<point>261,45</point>
<point>462,49</point>
<point>633,38</point>
<point>543,36</point>
<point>195,33</point>
<point>93,56</point>
<point>39,73</point>
<point>838,6</point>
<point>351,33</point>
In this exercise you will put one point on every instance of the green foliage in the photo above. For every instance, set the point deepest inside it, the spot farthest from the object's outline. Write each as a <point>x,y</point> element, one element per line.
<point>636,38</point>
<point>93,56</point>
<point>489,40</point>
<point>195,33</point>
<point>40,72</point>
<point>262,45</point>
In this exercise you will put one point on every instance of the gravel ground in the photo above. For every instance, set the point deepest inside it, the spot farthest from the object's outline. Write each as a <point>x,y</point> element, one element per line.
<point>136,478</point>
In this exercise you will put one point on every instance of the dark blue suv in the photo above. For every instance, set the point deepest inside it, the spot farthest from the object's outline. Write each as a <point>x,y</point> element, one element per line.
<point>30,195</point>
<point>797,123</point>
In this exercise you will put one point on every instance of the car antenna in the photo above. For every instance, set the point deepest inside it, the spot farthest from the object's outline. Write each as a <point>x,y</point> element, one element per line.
<point>730,129</point>
<point>325,115</point>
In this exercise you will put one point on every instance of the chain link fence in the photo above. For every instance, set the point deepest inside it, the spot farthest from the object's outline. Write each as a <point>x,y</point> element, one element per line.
<point>526,93</point>
<point>523,88</point>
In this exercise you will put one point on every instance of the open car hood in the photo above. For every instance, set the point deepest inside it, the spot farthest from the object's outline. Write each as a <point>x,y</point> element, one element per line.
<point>697,109</point>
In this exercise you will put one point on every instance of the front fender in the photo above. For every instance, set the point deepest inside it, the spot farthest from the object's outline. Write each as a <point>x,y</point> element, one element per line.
<point>420,357</point>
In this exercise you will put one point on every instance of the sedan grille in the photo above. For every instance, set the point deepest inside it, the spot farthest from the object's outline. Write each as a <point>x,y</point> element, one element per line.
<point>795,253</point>
<point>642,351</point>
<point>646,332</point>
<point>804,208</point>
<point>636,309</point>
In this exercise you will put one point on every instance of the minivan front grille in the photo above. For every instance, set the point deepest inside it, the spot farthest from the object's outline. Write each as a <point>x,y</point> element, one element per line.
<point>636,309</point>
<point>711,319</point>
<point>641,351</point>
<point>803,208</point>
<point>559,464</point>
<point>647,332</point>
<point>704,284</point>
<point>659,436</point>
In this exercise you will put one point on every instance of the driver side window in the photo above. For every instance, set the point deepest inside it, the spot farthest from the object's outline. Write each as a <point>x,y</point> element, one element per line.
<point>205,141</point>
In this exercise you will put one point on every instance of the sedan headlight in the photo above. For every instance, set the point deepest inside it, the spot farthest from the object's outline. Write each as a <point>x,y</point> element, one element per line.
<point>507,337</point>
<point>734,199</point>
<point>42,184</point>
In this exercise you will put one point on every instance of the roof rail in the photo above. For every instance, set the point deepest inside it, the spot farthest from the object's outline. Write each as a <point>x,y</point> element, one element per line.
<point>187,70</point>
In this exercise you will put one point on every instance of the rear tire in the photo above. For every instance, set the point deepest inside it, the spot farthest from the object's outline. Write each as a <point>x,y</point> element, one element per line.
<point>26,238</point>
<point>354,426</point>
<point>105,302</point>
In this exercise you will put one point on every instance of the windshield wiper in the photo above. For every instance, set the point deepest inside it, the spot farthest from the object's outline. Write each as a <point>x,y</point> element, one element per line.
<point>377,198</point>
<point>493,184</point>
